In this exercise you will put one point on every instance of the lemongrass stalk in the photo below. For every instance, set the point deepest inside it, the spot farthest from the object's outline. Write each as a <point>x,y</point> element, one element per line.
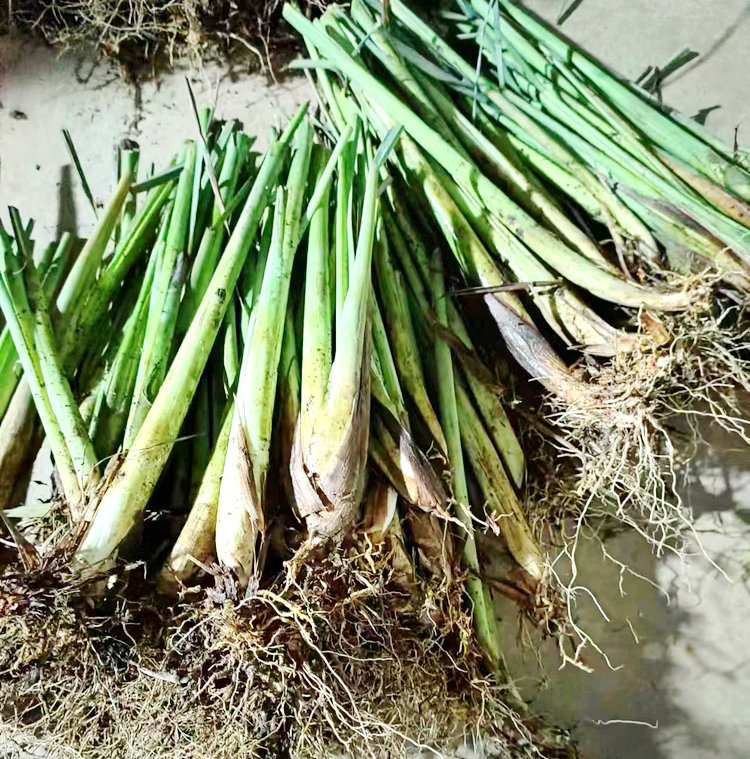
<point>20,438</point>
<point>616,215</point>
<point>251,279</point>
<point>207,200</point>
<point>719,196</point>
<point>328,471</point>
<point>197,539</point>
<point>635,189</point>
<point>610,121</point>
<point>21,321</point>
<point>20,435</point>
<point>395,450</point>
<point>523,187</point>
<point>473,259</point>
<point>343,226</point>
<point>491,408</point>
<point>576,180</point>
<point>25,289</point>
<point>314,213</point>
<point>489,403</point>
<point>78,283</point>
<point>353,333</point>
<point>64,405</point>
<point>124,500</point>
<point>163,302</point>
<point>500,497</point>
<point>51,269</point>
<point>200,453</point>
<point>485,623</point>
<point>405,465</point>
<point>104,342</point>
<point>230,352</point>
<point>195,546</point>
<point>147,330</point>
<point>325,177</point>
<point>318,334</point>
<point>157,180</point>
<point>402,338</point>
<point>385,454</point>
<point>240,518</point>
<point>242,501</point>
<point>385,387</point>
<point>128,158</point>
<point>526,267</point>
<point>10,369</point>
<point>91,406</point>
<point>290,382</point>
<point>410,249</point>
<point>200,192</point>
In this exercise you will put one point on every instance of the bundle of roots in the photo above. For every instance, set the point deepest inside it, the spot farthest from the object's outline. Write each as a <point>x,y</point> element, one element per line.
<point>335,655</point>
<point>138,32</point>
<point>620,451</point>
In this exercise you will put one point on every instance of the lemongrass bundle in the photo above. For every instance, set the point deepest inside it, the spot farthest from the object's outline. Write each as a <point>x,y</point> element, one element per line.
<point>330,456</point>
<point>279,417</point>
<point>508,166</point>
<point>138,473</point>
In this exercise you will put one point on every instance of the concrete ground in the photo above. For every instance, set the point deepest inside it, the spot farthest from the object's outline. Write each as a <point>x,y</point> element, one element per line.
<point>676,638</point>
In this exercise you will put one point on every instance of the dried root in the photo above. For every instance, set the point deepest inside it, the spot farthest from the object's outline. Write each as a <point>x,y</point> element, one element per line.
<point>641,419</point>
<point>136,31</point>
<point>335,657</point>
<point>614,459</point>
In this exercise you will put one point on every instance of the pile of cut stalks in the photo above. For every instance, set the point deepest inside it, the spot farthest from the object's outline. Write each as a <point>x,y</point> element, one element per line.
<point>288,398</point>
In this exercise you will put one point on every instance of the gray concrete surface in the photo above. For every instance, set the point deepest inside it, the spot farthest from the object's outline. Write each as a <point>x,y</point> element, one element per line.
<point>676,638</point>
